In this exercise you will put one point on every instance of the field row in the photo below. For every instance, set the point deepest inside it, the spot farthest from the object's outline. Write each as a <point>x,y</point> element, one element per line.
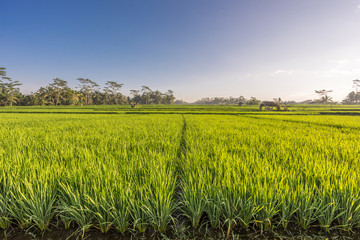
<point>143,171</point>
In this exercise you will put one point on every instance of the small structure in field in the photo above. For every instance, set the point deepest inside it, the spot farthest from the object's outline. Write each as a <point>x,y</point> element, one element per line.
<point>269,105</point>
<point>134,105</point>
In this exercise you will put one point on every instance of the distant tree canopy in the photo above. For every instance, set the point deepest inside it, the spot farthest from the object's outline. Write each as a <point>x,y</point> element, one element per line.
<point>179,102</point>
<point>228,101</point>
<point>59,93</point>
<point>253,101</point>
<point>148,96</point>
<point>354,96</point>
<point>221,100</point>
<point>9,91</point>
<point>89,92</point>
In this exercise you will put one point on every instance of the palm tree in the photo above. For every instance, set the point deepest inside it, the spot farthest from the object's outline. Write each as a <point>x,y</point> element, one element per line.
<point>42,96</point>
<point>146,95</point>
<point>324,97</point>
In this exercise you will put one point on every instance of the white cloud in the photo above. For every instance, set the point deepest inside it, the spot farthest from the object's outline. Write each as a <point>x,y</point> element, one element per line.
<point>282,71</point>
<point>340,67</point>
<point>336,71</point>
<point>339,61</point>
<point>333,72</point>
<point>358,6</point>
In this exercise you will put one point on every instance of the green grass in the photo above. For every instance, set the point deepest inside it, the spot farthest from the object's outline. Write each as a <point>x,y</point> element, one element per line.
<point>226,168</point>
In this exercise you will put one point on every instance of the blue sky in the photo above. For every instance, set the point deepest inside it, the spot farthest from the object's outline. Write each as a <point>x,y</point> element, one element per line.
<point>198,48</point>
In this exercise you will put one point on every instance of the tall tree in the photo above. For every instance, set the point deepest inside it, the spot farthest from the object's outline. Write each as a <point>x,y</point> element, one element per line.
<point>45,96</point>
<point>356,85</point>
<point>2,72</point>
<point>157,97</point>
<point>60,87</point>
<point>59,93</point>
<point>9,91</point>
<point>324,96</point>
<point>136,98</point>
<point>146,95</point>
<point>352,98</point>
<point>169,97</point>
<point>112,92</point>
<point>87,87</point>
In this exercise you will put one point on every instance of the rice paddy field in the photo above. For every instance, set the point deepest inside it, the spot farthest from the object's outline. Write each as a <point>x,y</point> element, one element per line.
<point>170,171</point>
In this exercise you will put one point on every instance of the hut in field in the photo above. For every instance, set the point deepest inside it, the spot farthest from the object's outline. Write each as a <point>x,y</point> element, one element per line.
<point>268,105</point>
<point>134,105</point>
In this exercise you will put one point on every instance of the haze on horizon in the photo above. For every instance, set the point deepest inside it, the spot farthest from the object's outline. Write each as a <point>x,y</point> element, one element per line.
<point>202,48</point>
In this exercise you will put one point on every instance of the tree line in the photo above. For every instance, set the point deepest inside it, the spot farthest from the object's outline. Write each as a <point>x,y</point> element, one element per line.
<point>228,101</point>
<point>352,98</point>
<point>89,92</point>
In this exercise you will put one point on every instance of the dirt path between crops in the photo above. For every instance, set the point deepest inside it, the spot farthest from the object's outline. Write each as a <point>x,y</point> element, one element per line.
<point>180,161</point>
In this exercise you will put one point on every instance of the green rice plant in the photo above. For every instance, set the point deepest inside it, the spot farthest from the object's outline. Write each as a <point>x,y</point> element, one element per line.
<point>350,206</point>
<point>247,211</point>
<point>40,204</point>
<point>307,210</point>
<point>139,212</point>
<point>119,210</point>
<point>193,203</point>
<point>5,217</point>
<point>330,211</point>
<point>33,206</point>
<point>101,211</point>
<point>214,207</point>
<point>89,170</point>
<point>280,170</point>
<point>265,215</point>
<point>18,208</point>
<point>230,210</point>
<point>128,171</point>
<point>73,208</point>
<point>287,210</point>
<point>160,204</point>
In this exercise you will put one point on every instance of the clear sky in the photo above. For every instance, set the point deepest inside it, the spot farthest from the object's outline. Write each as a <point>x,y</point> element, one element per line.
<point>198,48</point>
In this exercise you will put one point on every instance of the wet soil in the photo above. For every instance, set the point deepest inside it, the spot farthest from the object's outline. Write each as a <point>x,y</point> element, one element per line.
<point>180,233</point>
